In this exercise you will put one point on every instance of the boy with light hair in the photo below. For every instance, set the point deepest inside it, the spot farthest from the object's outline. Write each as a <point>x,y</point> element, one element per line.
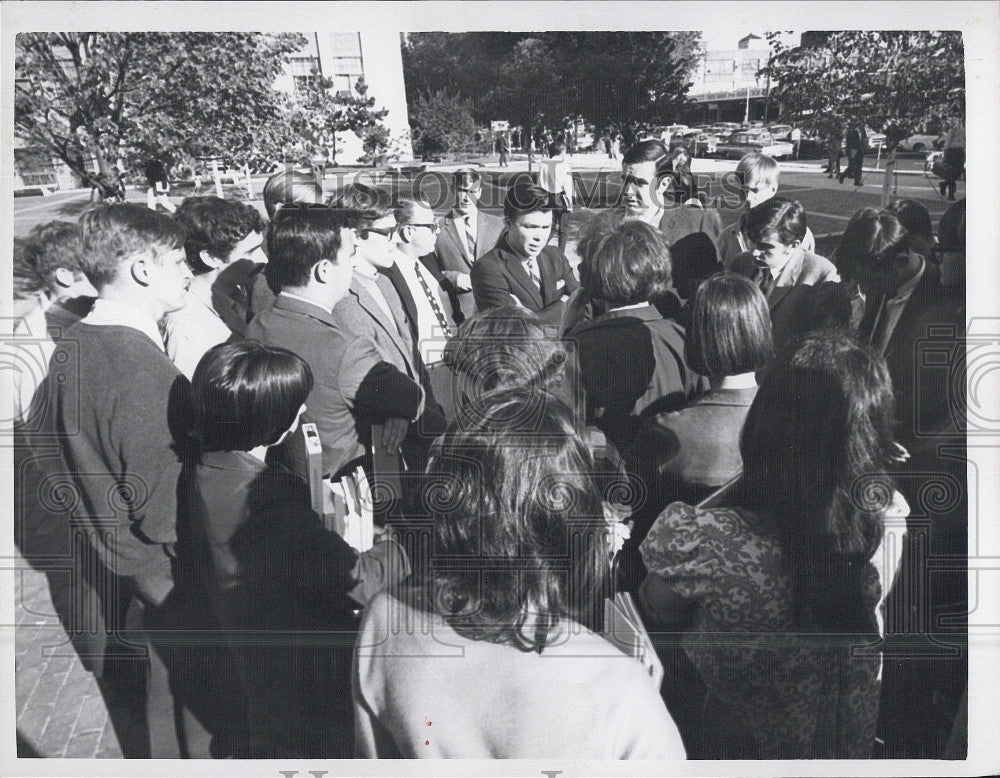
<point>757,177</point>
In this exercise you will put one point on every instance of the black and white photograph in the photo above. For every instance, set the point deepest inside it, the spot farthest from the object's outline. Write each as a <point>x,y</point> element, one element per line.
<point>531,386</point>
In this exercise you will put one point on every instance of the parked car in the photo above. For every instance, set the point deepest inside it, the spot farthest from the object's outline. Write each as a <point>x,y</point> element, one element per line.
<point>675,129</point>
<point>921,142</point>
<point>781,131</point>
<point>725,129</point>
<point>739,143</point>
<point>876,140</point>
<point>698,142</point>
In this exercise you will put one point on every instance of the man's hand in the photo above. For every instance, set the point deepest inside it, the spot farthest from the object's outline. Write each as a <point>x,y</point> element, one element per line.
<point>517,302</point>
<point>393,432</point>
<point>463,281</point>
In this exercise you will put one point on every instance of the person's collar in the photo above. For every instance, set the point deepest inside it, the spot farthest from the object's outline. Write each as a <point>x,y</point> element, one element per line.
<point>301,299</point>
<point>776,271</point>
<point>201,288</point>
<point>114,313</point>
<point>628,307</point>
<point>651,217</point>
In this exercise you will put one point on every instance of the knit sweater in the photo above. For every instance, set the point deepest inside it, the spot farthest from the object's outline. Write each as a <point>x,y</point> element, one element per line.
<point>118,404</point>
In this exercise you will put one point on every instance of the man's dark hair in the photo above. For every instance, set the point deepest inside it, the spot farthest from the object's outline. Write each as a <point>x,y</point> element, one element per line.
<point>784,218</point>
<point>299,238</point>
<point>629,265</point>
<point>524,197</point>
<point>467,178</point>
<point>246,394</point>
<point>361,205</point>
<point>290,186</point>
<point>215,225</point>
<point>651,150</point>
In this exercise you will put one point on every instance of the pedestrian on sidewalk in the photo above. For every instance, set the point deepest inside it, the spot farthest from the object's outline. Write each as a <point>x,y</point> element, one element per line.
<point>158,185</point>
<point>856,138</point>
<point>835,148</point>
<point>556,177</point>
<point>954,158</point>
<point>796,137</point>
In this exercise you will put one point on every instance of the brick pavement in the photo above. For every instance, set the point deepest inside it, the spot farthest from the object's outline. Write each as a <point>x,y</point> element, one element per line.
<point>60,712</point>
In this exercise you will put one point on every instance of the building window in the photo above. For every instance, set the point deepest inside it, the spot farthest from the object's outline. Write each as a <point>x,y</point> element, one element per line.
<point>718,66</point>
<point>750,66</point>
<point>303,66</point>
<point>345,44</point>
<point>350,65</point>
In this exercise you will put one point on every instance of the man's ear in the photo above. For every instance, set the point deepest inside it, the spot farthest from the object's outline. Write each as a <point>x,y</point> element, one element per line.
<point>210,260</point>
<point>140,270</point>
<point>64,277</point>
<point>321,271</point>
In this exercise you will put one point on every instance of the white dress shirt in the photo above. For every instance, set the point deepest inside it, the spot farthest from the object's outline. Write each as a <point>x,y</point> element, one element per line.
<point>113,313</point>
<point>430,337</point>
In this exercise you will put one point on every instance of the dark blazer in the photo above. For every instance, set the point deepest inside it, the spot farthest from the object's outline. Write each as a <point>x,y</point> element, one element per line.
<point>631,364</point>
<point>500,274</point>
<point>683,220</point>
<point>452,252</point>
<point>353,387</point>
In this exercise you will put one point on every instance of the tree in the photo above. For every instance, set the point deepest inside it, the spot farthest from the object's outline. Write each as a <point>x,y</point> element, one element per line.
<point>894,80</point>
<point>124,96</point>
<point>627,77</point>
<point>320,113</point>
<point>441,122</point>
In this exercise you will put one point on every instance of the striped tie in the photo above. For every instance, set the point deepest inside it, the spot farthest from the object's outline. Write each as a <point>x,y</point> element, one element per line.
<point>470,237</point>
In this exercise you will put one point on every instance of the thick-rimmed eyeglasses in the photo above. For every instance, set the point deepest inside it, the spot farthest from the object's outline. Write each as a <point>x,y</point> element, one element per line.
<point>434,227</point>
<point>388,232</point>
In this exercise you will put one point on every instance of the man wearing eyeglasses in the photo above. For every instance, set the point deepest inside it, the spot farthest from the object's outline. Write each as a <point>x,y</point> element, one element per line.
<point>467,233</point>
<point>427,305</point>
<point>373,309</point>
<point>757,180</point>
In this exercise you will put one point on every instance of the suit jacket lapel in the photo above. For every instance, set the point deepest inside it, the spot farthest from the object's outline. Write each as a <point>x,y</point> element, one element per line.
<point>515,267</point>
<point>373,309</point>
<point>405,296</point>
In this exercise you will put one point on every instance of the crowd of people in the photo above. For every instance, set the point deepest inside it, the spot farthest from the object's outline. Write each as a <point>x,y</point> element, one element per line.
<point>719,423</point>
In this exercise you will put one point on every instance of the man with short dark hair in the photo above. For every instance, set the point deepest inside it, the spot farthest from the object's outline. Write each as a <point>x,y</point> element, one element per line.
<point>220,234</point>
<point>313,255</point>
<point>523,269</point>
<point>648,194</point>
<point>467,233</point>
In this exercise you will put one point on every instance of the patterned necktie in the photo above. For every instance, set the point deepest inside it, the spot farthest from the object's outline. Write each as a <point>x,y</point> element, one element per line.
<point>432,299</point>
<point>531,265</point>
<point>470,236</point>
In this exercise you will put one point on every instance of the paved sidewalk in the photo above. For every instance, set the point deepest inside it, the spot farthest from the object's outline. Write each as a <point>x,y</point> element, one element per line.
<point>60,712</point>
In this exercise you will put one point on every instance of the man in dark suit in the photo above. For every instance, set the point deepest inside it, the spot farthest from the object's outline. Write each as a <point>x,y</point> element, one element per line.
<point>523,269</point>
<point>467,233</point>
<point>427,305</point>
<point>648,195</point>
<point>355,386</point>
<point>778,265</point>
<point>856,141</point>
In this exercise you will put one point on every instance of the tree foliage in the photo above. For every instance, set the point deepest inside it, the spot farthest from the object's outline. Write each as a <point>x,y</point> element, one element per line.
<point>441,122</point>
<point>895,81</point>
<point>122,96</point>
<point>604,76</point>
<point>319,113</point>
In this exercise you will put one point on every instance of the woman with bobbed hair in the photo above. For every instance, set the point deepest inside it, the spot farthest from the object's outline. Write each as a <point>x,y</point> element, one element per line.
<point>695,450</point>
<point>267,563</point>
<point>796,567</point>
<point>489,650</point>
<point>630,357</point>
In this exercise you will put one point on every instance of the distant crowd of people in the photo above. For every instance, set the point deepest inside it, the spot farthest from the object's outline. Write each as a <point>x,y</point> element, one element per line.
<point>360,480</point>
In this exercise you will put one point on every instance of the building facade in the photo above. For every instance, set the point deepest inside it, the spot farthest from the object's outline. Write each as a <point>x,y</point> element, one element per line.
<point>344,57</point>
<point>726,87</point>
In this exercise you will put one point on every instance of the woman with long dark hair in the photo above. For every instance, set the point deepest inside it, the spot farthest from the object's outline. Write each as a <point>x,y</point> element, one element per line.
<point>490,650</point>
<point>788,582</point>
